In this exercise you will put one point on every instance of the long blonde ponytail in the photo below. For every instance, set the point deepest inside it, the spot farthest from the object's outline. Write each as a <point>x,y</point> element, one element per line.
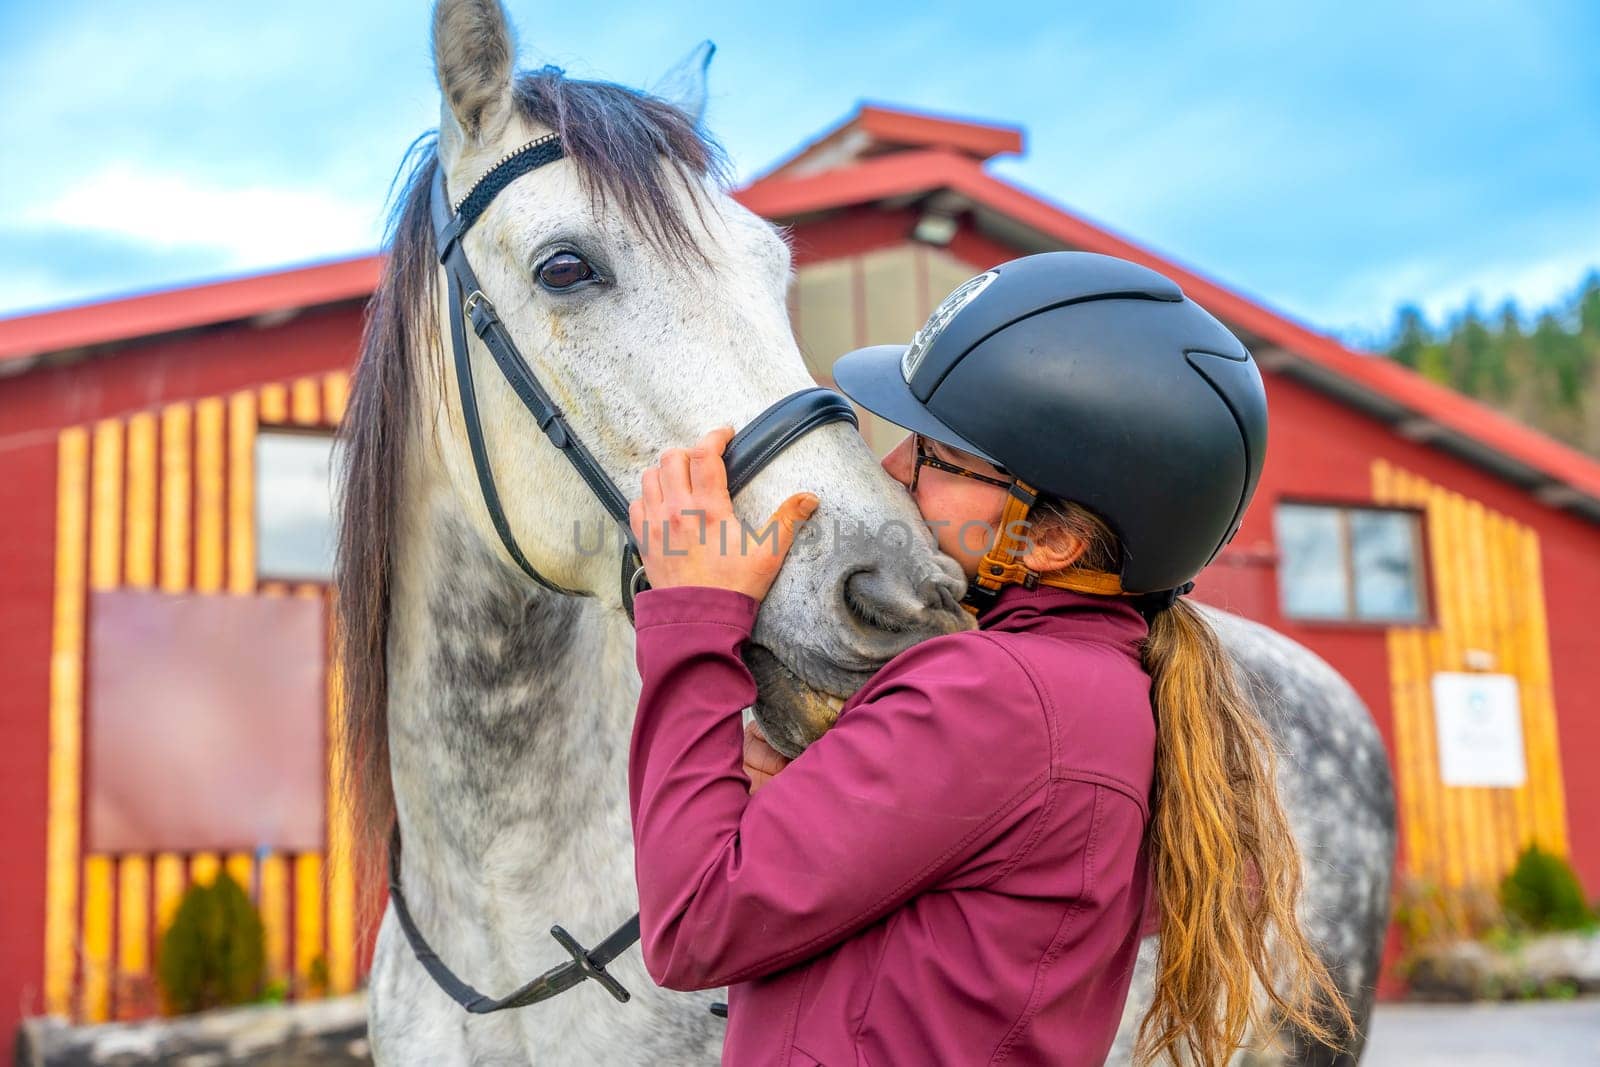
<point>1225,867</point>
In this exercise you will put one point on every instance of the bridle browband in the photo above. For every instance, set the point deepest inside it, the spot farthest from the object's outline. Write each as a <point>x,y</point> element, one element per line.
<point>748,452</point>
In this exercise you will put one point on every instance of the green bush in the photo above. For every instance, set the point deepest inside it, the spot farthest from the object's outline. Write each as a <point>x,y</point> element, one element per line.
<point>213,953</point>
<point>1542,893</point>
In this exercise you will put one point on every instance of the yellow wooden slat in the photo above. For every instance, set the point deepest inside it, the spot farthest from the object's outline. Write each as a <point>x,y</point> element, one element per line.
<point>1508,581</point>
<point>241,493</point>
<point>169,884</point>
<point>1497,800</point>
<point>1421,766</point>
<point>1445,654</point>
<point>1541,736</point>
<point>203,868</point>
<point>335,396</point>
<point>133,915</point>
<point>1423,652</point>
<point>341,873</point>
<point>105,522</point>
<point>274,400</point>
<point>1404,746</point>
<point>177,491</point>
<point>1478,824</point>
<point>242,867</point>
<point>143,483</point>
<point>308,926</point>
<point>1457,862</point>
<point>99,896</point>
<point>1436,651</point>
<point>274,903</point>
<point>1540,828</point>
<point>1551,803</point>
<point>1388,489</point>
<point>105,573</point>
<point>1507,809</point>
<point>172,485</point>
<point>305,402</point>
<point>66,720</point>
<point>210,501</point>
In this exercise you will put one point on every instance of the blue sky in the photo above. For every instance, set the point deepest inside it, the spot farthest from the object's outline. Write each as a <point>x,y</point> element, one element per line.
<point>1333,160</point>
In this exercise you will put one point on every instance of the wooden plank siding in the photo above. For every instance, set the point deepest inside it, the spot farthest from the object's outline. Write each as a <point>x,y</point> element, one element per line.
<point>1488,596</point>
<point>876,298</point>
<point>164,500</point>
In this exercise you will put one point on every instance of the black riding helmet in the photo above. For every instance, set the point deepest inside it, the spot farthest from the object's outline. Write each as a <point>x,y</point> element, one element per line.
<point>1094,380</point>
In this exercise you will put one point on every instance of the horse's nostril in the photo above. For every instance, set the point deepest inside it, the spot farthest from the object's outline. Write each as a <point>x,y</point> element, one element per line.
<point>896,603</point>
<point>869,601</point>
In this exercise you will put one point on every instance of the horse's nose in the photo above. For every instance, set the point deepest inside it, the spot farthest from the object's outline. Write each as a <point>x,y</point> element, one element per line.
<point>906,596</point>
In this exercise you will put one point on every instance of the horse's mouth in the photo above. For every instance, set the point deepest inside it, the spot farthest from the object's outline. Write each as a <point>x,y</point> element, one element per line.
<point>791,712</point>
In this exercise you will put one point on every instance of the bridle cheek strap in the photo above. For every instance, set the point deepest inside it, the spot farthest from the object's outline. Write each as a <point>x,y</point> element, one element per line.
<point>1002,563</point>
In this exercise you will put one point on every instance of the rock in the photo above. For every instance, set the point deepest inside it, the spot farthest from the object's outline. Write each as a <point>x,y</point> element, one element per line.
<point>1461,970</point>
<point>1569,958</point>
<point>316,1033</point>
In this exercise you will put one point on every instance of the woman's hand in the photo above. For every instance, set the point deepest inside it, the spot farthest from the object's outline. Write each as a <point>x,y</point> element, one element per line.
<point>687,534</point>
<point>761,760</point>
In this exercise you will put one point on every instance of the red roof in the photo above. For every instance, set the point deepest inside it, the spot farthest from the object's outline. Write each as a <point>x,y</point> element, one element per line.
<point>881,153</point>
<point>188,307</point>
<point>874,131</point>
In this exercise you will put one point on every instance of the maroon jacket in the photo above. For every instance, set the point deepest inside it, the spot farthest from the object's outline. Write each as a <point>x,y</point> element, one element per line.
<point>955,873</point>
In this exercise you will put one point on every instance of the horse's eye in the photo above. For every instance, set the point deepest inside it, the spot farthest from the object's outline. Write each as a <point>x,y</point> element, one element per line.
<point>564,270</point>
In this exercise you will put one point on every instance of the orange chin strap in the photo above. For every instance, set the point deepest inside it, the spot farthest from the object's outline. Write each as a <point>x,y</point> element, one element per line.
<point>1002,564</point>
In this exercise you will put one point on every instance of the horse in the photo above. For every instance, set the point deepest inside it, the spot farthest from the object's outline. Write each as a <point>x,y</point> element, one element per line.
<point>486,715</point>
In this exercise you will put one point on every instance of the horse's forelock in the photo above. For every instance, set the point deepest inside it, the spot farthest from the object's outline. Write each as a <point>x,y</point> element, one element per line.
<point>627,147</point>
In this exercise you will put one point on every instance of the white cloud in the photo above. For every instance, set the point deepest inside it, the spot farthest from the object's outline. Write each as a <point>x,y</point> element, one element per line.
<point>1365,305</point>
<point>249,226</point>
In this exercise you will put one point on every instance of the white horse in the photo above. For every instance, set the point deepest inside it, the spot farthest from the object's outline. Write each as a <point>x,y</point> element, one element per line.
<point>491,717</point>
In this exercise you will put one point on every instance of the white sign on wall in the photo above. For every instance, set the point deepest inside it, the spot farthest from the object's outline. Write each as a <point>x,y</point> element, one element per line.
<point>1479,717</point>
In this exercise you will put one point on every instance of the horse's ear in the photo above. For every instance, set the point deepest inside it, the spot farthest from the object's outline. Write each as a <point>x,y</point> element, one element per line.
<point>684,86</point>
<point>473,58</point>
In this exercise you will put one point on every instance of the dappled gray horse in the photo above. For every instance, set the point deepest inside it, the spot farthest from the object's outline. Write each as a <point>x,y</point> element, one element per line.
<point>489,715</point>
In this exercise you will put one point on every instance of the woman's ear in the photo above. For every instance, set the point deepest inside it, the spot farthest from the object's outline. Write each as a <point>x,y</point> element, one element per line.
<point>1053,548</point>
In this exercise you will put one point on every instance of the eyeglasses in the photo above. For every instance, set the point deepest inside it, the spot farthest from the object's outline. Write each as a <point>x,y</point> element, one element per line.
<point>925,458</point>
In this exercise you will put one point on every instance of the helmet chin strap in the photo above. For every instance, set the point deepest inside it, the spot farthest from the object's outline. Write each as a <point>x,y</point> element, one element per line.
<point>1002,564</point>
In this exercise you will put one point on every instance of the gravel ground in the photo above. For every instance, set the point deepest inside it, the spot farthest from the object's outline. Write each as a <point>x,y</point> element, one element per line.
<point>1517,1034</point>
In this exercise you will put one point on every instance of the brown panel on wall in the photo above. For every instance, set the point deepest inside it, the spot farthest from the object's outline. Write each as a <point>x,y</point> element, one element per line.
<point>206,723</point>
<point>893,301</point>
<point>825,314</point>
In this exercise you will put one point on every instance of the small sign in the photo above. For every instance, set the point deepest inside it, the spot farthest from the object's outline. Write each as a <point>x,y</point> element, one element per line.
<point>1479,717</point>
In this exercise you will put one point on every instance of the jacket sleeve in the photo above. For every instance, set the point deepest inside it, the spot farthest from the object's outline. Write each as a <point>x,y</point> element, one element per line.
<point>946,741</point>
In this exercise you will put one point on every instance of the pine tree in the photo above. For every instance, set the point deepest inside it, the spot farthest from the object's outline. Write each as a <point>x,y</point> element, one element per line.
<point>1548,377</point>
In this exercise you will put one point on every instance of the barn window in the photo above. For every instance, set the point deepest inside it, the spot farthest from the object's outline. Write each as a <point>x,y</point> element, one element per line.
<point>1350,563</point>
<point>294,505</point>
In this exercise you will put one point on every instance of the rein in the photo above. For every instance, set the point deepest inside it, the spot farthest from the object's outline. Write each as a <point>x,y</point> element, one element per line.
<point>748,452</point>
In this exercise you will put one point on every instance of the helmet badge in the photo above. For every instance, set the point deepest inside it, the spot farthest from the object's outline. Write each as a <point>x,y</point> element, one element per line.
<point>960,297</point>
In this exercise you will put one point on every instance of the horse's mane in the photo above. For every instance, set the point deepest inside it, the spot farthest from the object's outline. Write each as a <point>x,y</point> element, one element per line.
<point>627,147</point>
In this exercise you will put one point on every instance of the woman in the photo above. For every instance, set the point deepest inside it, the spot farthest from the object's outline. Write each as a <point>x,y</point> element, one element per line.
<point>957,871</point>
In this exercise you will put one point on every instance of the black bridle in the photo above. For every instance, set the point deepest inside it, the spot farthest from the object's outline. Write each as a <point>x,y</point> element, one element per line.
<point>749,451</point>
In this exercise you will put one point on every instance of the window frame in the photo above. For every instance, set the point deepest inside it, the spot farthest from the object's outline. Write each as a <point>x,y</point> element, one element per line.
<point>275,429</point>
<point>1343,509</point>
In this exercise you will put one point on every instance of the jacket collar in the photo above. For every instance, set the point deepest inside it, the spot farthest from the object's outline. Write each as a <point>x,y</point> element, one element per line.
<point>1062,612</point>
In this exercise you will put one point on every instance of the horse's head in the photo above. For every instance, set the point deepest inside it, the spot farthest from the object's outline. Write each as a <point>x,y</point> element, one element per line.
<point>653,307</point>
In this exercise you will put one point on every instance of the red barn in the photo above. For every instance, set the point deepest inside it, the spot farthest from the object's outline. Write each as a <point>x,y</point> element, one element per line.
<point>163,462</point>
